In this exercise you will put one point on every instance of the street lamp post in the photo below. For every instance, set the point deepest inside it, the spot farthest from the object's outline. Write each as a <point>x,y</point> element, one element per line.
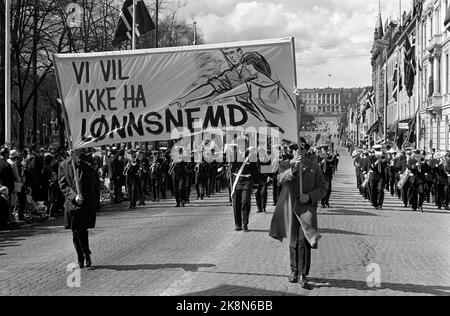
<point>7,73</point>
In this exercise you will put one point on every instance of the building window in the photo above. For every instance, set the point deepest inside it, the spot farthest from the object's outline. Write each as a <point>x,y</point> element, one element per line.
<point>438,27</point>
<point>431,27</point>
<point>447,74</point>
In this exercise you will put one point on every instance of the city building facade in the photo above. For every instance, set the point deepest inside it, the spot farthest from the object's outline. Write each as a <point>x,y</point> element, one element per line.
<point>434,51</point>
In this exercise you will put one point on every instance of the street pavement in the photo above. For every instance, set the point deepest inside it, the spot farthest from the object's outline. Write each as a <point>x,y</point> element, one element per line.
<point>163,250</point>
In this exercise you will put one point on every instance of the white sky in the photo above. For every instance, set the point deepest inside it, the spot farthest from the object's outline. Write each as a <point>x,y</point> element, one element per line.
<point>332,36</point>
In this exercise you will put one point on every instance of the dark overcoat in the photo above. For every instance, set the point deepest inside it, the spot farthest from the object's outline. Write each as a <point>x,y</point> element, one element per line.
<point>79,217</point>
<point>313,184</point>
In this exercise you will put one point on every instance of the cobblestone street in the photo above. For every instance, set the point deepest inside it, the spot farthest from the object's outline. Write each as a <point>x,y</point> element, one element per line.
<point>162,250</point>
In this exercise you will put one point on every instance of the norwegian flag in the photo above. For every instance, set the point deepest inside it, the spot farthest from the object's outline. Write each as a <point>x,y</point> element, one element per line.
<point>410,66</point>
<point>397,86</point>
<point>370,102</point>
<point>143,23</point>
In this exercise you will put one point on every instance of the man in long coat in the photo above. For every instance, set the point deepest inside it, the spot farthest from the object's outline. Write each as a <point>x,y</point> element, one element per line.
<point>80,207</point>
<point>294,208</point>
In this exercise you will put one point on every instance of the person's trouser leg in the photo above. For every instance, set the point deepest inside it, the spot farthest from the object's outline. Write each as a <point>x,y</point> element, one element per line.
<point>204,183</point>
<point>81,243</point>
<point>380,192</point>
<point>413,196</point>
<point>208,187</point>
<point>264,196</point>
<point>358,182</point>
<point>258,198</point>
<point>392,185</point>
<point>197,186</point>
<point>188,189</point>
<point>246,205</point>
<point>405,193</point>
<point>137,188</point>
<point>155,195</point>
<point>163,186</point>
<point>117,191</point>
<point>77,245</point>
<point>421,194</point>
<point>275,190</point>
<point>304,256</point>
<point>328,187</point>
<point>293,244</point>
<point>440,188</point>
<point>374,193</point>
<point>237,208</point>
<point>176,190</point>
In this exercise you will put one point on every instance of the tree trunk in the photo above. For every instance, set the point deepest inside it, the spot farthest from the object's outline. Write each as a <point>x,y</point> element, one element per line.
<point>35,94</point>
<point>21,129</point>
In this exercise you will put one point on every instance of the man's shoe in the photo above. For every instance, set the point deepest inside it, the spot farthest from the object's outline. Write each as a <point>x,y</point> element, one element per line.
<point>293,278</point>
<point>246,228</point>
<point>238,229</point>
<point>88,261</point>
<point>303,281</point>
<point>81,264</point>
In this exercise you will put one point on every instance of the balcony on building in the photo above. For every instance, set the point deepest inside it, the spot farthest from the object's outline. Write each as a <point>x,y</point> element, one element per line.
<point>435,43</point>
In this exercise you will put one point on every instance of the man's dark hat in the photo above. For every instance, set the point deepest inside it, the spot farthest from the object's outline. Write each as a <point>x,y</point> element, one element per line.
<point>293,147</point>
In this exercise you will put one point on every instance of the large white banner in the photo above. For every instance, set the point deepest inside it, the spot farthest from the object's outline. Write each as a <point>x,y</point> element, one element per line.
<point>146,95</point>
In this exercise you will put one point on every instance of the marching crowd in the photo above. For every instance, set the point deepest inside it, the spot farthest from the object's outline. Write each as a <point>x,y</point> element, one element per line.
<point>72,182</point>
<point>32,175</point>
<point>414,176</point>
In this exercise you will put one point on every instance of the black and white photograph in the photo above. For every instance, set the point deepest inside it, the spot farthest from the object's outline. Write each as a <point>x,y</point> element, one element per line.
<point>225,154</point>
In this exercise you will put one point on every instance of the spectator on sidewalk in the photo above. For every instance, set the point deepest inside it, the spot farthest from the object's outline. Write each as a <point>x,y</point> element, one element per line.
<point>14,197</point>
<point>34,165</point>
<point>6,171</point>
<point>4,207</point>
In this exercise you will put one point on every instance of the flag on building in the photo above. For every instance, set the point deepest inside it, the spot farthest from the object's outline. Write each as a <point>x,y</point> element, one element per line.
<point>370,101</point>
<point>397,81</point>
<point>410,65</point>
<point>143,23</point>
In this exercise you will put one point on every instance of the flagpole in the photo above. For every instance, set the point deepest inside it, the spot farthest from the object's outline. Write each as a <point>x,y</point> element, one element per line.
<point>416,56</point>
<point>385,104</point>
<point>398,87</point>
<point>7,72</point>
<point>133,41</point>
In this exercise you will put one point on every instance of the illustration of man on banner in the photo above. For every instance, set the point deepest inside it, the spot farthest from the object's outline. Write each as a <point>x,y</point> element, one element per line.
<point>266,95</point>
<point>249,81</point>
<point>236,75</point>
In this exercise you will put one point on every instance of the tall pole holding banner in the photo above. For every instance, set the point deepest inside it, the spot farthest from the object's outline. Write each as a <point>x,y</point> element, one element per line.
<point>195,33</point>
<point>7,72</point>
<point>133,32</point>
<point>156,23</point>
<point>299,113</point>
